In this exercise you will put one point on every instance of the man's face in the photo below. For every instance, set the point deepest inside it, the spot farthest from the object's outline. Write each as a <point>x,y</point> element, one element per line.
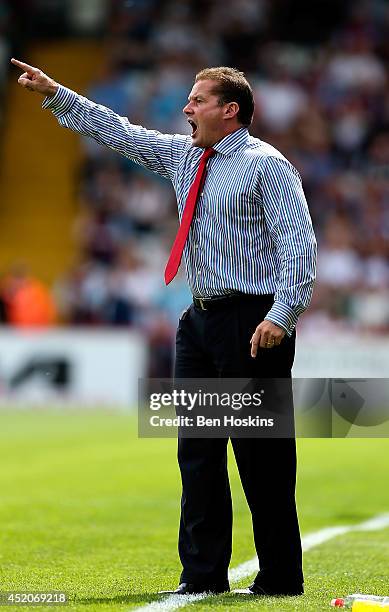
<point>205,115</point>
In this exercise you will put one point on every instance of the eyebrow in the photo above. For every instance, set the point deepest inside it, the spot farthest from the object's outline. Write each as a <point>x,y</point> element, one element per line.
<point>195,96</point>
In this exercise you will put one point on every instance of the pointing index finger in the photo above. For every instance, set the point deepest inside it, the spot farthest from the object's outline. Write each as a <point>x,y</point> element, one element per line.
<point>22,65</point>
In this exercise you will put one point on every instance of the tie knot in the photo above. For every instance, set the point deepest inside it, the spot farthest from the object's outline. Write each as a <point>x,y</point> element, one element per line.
<point>209,152</point>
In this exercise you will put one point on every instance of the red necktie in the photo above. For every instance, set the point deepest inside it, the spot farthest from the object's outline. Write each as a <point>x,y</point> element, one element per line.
<point>190,205</point>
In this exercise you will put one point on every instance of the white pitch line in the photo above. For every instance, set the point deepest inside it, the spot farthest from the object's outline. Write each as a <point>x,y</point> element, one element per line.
<point>246,569</point>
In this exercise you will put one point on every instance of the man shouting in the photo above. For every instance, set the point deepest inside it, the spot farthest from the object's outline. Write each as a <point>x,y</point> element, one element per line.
<point>250,254</point>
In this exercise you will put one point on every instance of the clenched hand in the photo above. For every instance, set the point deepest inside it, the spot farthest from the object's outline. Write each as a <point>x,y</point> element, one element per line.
<point>35,80</point>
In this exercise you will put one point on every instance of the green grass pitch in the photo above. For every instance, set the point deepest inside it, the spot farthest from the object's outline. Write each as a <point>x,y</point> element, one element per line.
<point>88,508</point>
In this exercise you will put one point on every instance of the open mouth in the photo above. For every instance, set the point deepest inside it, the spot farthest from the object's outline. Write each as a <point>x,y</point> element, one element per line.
<point>193,126</point>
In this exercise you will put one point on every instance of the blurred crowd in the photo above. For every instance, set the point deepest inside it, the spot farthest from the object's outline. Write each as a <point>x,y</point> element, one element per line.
<point>5,47</point>
<point>320,76</point>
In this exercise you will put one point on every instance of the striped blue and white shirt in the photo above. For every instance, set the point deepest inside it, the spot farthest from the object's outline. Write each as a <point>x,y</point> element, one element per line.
<point>251,232</point>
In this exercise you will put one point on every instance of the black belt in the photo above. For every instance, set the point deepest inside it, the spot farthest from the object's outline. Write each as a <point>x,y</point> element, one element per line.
<point>219,301</point>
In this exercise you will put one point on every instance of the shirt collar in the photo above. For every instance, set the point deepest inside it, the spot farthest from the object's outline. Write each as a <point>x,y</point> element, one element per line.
<point>232,142</point>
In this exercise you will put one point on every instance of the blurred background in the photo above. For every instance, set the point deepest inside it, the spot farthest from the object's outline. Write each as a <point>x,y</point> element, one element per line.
<point>85,234</point>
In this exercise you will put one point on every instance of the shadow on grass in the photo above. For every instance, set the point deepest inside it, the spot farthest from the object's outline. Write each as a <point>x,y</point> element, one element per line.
<point>233,599</point>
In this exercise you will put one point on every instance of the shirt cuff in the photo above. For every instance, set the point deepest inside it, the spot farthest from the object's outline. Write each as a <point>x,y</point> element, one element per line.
<point>282,315</point>
<point>62,102</point>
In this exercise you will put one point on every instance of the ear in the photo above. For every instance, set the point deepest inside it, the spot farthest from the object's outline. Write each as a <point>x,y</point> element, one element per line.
<point>231,110</point>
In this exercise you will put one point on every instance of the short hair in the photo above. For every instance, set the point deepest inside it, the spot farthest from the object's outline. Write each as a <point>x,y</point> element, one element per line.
<point>231,86</point>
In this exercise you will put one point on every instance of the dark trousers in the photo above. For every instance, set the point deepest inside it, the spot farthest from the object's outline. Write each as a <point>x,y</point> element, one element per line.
<point>216,343</point>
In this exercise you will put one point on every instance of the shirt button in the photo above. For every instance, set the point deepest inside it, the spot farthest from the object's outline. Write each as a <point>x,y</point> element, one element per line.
<point>201,194</point>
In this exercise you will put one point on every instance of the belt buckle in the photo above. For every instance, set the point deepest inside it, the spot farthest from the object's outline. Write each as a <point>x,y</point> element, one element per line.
<point>202,303</point>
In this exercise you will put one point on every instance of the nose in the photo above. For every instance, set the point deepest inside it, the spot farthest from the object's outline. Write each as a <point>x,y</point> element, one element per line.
<point>187,110</point>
